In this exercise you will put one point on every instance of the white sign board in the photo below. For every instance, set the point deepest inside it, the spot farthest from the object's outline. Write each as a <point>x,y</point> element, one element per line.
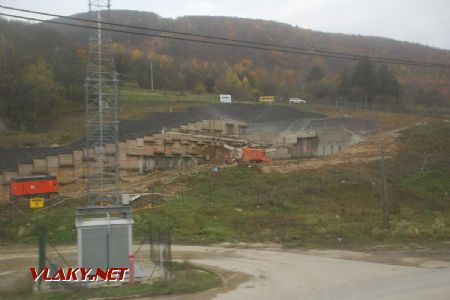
<point>225,98</point>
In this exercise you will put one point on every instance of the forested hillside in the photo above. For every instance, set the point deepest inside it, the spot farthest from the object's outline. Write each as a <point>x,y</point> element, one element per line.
<point>60,52</point>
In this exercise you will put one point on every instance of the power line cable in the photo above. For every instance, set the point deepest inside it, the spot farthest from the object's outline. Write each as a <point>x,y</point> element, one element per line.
<point>253,45</point>
<point>207,36</point>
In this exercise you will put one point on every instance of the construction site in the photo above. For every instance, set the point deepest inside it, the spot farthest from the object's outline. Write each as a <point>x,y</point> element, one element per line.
<point>224,199</point>
<point>281,133</point>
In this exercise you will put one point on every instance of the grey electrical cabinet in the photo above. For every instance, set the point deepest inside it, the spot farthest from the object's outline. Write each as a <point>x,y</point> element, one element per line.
<point>104,242</point>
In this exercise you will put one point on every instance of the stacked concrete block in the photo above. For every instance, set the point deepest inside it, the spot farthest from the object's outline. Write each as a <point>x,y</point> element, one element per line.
<point>78,158</point>
<point>149,139</point>
<point>149,164</point>
<point>4,194</point>
<point>52,164</point>
<point>168,148</point>
<point>149,148</point>
<point>159,146</point>
<point>185,146</point>
<point>242,129</point>
<point>172,150</point>
<point>128,162</point>
<point>132,147</point>
<point>176,147</point>
<point>230,129</point>
<point>25,169</point>
<point>110,149</point>
<point>65,160</point>
<point>123,147</point>
<point>39,166</point>
<point>88,154</point>
<point>7,175</point>
<point>78,169</point>
<point>66,175</point>
<point>140,146</point>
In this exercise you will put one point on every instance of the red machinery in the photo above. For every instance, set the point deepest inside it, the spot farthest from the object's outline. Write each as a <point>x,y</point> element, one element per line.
<point>42,185</point>
<point>254,155</point>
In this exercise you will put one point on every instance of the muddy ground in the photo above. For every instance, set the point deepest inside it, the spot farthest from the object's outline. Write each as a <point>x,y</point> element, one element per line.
<point>9,158</point>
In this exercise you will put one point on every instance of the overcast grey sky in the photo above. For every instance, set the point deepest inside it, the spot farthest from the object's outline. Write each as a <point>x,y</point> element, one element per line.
<point>422,21</point>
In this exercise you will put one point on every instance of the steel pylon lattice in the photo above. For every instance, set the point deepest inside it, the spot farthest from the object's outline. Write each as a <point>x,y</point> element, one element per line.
<point>102,123</point>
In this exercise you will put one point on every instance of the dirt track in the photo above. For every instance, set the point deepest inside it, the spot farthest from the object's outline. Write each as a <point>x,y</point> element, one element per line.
<point>268,272</point>
<point>365,152</point>
<point>283,275</point>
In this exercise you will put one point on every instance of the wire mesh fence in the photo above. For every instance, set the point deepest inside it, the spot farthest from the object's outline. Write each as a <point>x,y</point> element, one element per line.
<point>161,249</point>
<point>387,107</point>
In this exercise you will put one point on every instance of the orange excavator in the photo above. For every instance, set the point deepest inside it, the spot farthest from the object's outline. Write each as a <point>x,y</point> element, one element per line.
<point>247,155</point>
<point>254,155</point>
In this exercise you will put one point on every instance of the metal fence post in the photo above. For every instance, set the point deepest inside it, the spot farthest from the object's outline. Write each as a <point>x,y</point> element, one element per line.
<point>42,236</point>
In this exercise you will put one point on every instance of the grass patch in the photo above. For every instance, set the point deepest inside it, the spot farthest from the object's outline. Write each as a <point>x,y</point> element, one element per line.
<point>143,95</point>
<point>327,207</point>
<point>134,104</point>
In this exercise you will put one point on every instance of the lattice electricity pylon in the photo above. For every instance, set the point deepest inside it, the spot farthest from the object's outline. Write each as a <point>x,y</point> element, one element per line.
<point>102,124</point>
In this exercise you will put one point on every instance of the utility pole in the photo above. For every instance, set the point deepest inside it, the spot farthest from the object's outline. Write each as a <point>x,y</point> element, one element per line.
<point>384,198</point>
<point>151,74</point>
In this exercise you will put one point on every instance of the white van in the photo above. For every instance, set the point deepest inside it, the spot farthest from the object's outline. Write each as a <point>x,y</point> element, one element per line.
<point>297,100</point>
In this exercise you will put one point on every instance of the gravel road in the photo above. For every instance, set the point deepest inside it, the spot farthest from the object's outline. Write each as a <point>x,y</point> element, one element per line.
<point>261,274</point>
<point>283,275</point>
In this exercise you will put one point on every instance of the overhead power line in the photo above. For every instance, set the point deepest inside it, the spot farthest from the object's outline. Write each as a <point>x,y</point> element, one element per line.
<point>207,39</point>
<point>198,35</point>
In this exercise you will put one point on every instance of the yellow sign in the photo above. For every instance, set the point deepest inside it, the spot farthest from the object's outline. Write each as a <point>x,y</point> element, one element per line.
<point>36,202</point>
<point>268,99</point>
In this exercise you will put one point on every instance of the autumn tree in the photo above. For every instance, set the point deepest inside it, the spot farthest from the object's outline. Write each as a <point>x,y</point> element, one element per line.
<point>364,77</point>
<point>28,98</point>
<point>315,74</point>
<point>387,84</point>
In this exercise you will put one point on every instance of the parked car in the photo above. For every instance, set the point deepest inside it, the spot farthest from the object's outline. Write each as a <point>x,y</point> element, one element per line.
<point>297,100</point>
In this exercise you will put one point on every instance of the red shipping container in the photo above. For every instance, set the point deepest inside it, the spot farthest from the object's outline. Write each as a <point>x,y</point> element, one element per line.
<point>34,185</point>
